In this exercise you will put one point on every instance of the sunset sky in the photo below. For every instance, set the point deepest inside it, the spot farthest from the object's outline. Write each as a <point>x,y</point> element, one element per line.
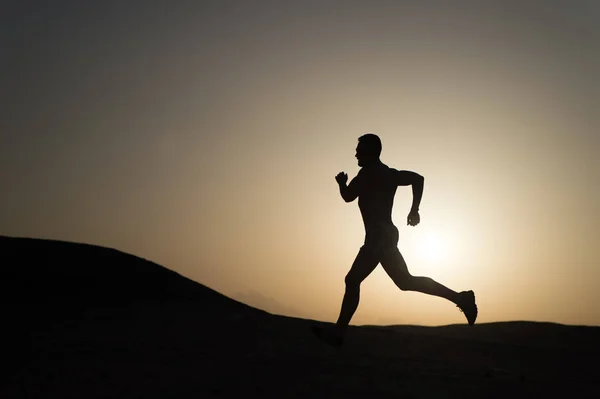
<point>205,136</point>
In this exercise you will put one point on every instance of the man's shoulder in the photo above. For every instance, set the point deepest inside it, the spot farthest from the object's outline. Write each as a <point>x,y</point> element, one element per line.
<point>382,165</point>
<point>390,169</point>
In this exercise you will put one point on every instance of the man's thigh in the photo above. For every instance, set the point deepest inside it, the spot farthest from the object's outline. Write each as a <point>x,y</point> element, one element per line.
<point>365,262</point>
<point>394,265</point>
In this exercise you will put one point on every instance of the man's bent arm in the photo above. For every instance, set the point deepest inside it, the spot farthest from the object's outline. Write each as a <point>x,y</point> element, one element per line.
<point>405,178</point>
<point>350,192</point>
<point>417,190</point>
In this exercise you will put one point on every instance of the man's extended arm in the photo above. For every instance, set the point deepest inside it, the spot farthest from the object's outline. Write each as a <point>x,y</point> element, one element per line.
<point>405,178</point>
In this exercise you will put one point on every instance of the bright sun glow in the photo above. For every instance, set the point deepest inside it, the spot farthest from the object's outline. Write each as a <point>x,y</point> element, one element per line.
<point>432,247</point>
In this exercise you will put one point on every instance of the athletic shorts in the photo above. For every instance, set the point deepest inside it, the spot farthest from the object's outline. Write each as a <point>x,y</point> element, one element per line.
<point>381,239</point>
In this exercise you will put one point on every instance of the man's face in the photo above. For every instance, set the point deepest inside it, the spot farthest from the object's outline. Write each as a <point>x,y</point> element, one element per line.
<point>361,155</point>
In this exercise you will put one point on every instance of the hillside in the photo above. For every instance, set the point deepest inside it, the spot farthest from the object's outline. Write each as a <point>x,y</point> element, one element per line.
<point>85,321</point>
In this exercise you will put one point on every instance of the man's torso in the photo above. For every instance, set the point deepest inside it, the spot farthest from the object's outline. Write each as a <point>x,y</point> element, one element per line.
<point>376,199</point>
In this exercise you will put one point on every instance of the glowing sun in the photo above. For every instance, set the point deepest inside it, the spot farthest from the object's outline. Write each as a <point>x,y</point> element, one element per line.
<point>432,247</point>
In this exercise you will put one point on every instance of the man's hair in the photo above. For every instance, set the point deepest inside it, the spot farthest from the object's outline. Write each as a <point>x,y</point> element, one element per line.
<point>372,142</point>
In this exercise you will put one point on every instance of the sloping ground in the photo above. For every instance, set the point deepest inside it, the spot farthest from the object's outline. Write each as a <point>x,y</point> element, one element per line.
<point>35,271</point>
<point>46,284</point>
<point>113,325</point>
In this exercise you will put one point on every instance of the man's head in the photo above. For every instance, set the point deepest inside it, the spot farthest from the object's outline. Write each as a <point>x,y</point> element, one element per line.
<point>368,149</point>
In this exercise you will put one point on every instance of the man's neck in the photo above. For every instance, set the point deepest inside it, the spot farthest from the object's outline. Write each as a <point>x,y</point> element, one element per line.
<point>371,164</point>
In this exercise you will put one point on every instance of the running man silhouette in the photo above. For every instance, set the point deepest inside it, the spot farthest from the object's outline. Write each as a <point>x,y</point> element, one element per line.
<point>375,187</point>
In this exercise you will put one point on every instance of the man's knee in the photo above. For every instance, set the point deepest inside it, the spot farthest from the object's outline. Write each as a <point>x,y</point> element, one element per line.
<point>406,282</point>
<point>352,283</point>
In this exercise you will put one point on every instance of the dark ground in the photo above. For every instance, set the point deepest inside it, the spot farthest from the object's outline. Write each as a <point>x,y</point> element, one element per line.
<point>81,321</point>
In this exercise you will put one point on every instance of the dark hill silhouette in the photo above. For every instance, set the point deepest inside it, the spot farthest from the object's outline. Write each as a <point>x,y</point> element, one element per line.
<point>85,321</point>
<point>48,283</point>
<point>48,270</point>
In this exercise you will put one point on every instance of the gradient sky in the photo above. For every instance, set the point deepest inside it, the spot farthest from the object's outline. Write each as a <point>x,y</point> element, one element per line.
<point>205,136</point>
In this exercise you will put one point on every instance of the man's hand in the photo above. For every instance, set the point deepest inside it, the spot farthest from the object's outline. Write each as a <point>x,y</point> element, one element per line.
<point>413,218</point>
<point>341,178</point>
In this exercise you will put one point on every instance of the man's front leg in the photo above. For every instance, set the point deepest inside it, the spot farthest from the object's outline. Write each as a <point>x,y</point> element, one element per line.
<point>365,262</point>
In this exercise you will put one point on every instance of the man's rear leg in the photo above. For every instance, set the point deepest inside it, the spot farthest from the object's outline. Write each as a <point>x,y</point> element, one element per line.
<point>395,266</point>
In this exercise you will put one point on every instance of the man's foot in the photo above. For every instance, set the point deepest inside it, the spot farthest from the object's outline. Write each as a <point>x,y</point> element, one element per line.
<point>328,335</point>
<point>466,304</point>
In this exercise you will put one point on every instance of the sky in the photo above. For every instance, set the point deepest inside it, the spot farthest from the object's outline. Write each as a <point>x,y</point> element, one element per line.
<point>205,136</point>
